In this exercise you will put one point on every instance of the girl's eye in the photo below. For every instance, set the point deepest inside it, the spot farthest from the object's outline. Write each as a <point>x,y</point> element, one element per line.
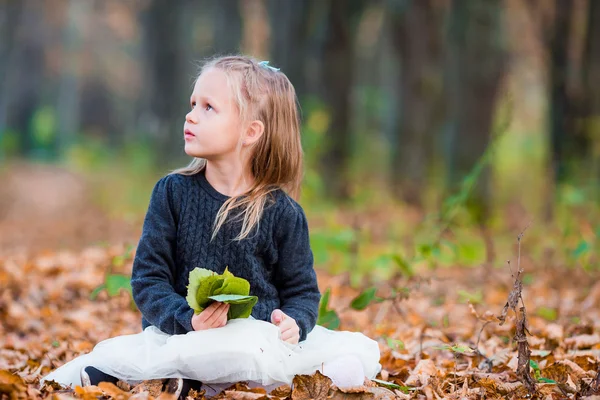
<point>208,107</point>
<point>193,104</point>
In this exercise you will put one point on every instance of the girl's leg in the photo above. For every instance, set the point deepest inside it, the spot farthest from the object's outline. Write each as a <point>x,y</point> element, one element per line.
<point>345,371</point>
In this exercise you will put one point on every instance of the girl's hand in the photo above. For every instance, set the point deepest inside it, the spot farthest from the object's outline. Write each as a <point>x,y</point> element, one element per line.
<point>213,316</point>
<point>290,332</point>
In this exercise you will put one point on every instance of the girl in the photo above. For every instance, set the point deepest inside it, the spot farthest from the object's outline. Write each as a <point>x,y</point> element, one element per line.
<point>234,207</point>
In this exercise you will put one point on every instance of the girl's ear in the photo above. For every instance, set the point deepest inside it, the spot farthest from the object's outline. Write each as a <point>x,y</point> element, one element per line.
<point>253,133</point>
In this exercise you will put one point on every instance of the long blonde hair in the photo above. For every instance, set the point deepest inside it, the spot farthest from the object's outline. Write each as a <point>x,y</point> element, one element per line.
<point>260,93</point>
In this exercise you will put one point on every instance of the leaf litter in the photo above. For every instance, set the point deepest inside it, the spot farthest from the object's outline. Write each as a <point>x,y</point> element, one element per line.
<point>449,349</point>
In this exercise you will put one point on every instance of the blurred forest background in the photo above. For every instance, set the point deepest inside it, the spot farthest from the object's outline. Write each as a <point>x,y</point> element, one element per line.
<point>434,130</point>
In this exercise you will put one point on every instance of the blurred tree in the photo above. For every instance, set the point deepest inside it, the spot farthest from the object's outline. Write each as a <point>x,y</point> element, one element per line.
<point>574,103</point>
<point>337,79</point>
<point>24,69</point>
<point>591,87</point>
<point>565,144</point>
<point>227,26</point>
<point>166,94</point>
<point>289,21</point>
<point>475,64</point>
<point>416,35</point>
<point>68,99</point>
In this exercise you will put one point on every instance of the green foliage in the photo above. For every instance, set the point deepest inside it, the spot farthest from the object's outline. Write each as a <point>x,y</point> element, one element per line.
<point>538,373</point>
<point>43,126</point>
<point>548,313</point>
<point>394,344</point>
<point>327,318</point>
<point>363,300</point>
<point>403,389</point>
<point>206,287</point>
<point>455,348</point>
<point>473,298</point>
<point>113,284</point>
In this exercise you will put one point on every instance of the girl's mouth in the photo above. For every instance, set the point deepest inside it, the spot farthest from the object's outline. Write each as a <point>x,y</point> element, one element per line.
<point>188,134</point>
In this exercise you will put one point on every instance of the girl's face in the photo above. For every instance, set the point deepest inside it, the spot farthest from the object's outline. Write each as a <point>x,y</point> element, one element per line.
<point>212,128</point>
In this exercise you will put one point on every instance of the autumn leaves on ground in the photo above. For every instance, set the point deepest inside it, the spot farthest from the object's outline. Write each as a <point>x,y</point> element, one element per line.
<point>439,331</point>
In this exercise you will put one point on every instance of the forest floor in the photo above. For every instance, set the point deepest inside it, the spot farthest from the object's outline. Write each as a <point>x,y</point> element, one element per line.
<point>440,334</point>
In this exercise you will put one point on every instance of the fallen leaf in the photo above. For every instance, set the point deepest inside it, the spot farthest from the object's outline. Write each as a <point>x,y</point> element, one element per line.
<point>307,387</point>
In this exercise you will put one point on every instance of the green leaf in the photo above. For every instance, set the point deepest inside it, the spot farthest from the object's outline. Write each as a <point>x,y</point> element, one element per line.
<point>474,298</point>
<point>197,276</point>
<point>404,389</point>
<point>232,298</point>
<point>534,365</point>
<point>329,319</point>
<point>406,269</point>
<point>361,301</point>
<point>462,349</point>
<point>323,304</point>
<point>239,306</point>
<point>97,291</point>
<point>117,282</point>
<point>548,313</point>
<point>582,248</point>
<point>206,287</point>
<point>394,343</point>
<point>546,380</point>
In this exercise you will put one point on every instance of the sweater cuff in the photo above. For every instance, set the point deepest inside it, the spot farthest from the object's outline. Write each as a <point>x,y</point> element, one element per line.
<point>185,320</point>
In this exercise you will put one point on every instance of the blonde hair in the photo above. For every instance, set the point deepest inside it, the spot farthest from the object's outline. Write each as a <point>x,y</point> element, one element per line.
<point>260,93</point>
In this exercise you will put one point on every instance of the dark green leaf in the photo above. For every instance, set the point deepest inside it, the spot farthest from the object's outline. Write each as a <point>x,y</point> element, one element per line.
<point>361,301</point>
<point>582,248</point>
<point>329,320</point>
<point>534,365</point>
<point>324,301</point>
<point>546,380</point>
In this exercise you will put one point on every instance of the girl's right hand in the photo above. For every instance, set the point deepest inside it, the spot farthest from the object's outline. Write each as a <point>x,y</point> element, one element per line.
<point>213,316</point>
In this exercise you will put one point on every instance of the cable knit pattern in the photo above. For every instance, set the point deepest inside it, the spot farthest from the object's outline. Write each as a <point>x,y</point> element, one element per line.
<point>276,258</point>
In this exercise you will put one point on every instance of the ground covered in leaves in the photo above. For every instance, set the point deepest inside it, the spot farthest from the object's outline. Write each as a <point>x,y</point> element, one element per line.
<point>439,330</point>
<point>439,336</point>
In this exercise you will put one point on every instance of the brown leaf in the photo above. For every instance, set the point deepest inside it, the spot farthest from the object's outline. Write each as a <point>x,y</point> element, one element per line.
<point>237,395</point>
<point>11,384</point>
<point>307,387</point>
<point>282,391</point>
<point>420,375</point>
<point>153,387</point>
<point>582,341</point>
<point>88,392</point>
<point>113,391</point>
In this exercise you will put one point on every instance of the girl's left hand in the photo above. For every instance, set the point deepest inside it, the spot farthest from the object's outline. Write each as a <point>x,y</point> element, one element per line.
<point>290,332</point>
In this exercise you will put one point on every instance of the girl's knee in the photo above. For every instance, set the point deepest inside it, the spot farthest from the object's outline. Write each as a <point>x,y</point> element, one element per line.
<point>346,371</point>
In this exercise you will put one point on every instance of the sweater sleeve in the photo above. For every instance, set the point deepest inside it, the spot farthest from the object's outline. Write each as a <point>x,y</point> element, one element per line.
<point>153,275</point>
<point>295,277</point>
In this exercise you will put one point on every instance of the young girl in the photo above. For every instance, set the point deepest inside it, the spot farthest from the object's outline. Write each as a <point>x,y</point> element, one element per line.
<point>233,207</point>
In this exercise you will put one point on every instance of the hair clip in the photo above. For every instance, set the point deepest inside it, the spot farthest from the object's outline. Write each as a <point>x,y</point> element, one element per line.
<point>266,65</point>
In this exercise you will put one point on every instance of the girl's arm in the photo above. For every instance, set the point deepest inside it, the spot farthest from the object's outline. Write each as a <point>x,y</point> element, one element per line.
<point>153,276</point>
<point>295,276</point>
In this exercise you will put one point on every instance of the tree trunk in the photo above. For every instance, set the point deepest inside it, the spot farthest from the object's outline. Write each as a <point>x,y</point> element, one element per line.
<point>227,26</point>
<point>591,84</point>
<point>562,109</point>
<point>26,84</point>
<point>475,67</point>
<point>336,83</point>
<point>166,85</point>
<point>289,30</point>
<point>416,38</point>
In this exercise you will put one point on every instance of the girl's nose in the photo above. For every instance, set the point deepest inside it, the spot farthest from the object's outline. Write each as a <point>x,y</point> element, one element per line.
<point>190,117</point>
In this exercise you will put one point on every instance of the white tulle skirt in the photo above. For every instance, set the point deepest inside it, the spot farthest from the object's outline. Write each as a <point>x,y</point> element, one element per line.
<point>242,350</point>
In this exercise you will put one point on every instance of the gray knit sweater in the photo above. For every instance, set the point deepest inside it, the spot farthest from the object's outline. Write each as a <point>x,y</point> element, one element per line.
<point>276,258</point>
